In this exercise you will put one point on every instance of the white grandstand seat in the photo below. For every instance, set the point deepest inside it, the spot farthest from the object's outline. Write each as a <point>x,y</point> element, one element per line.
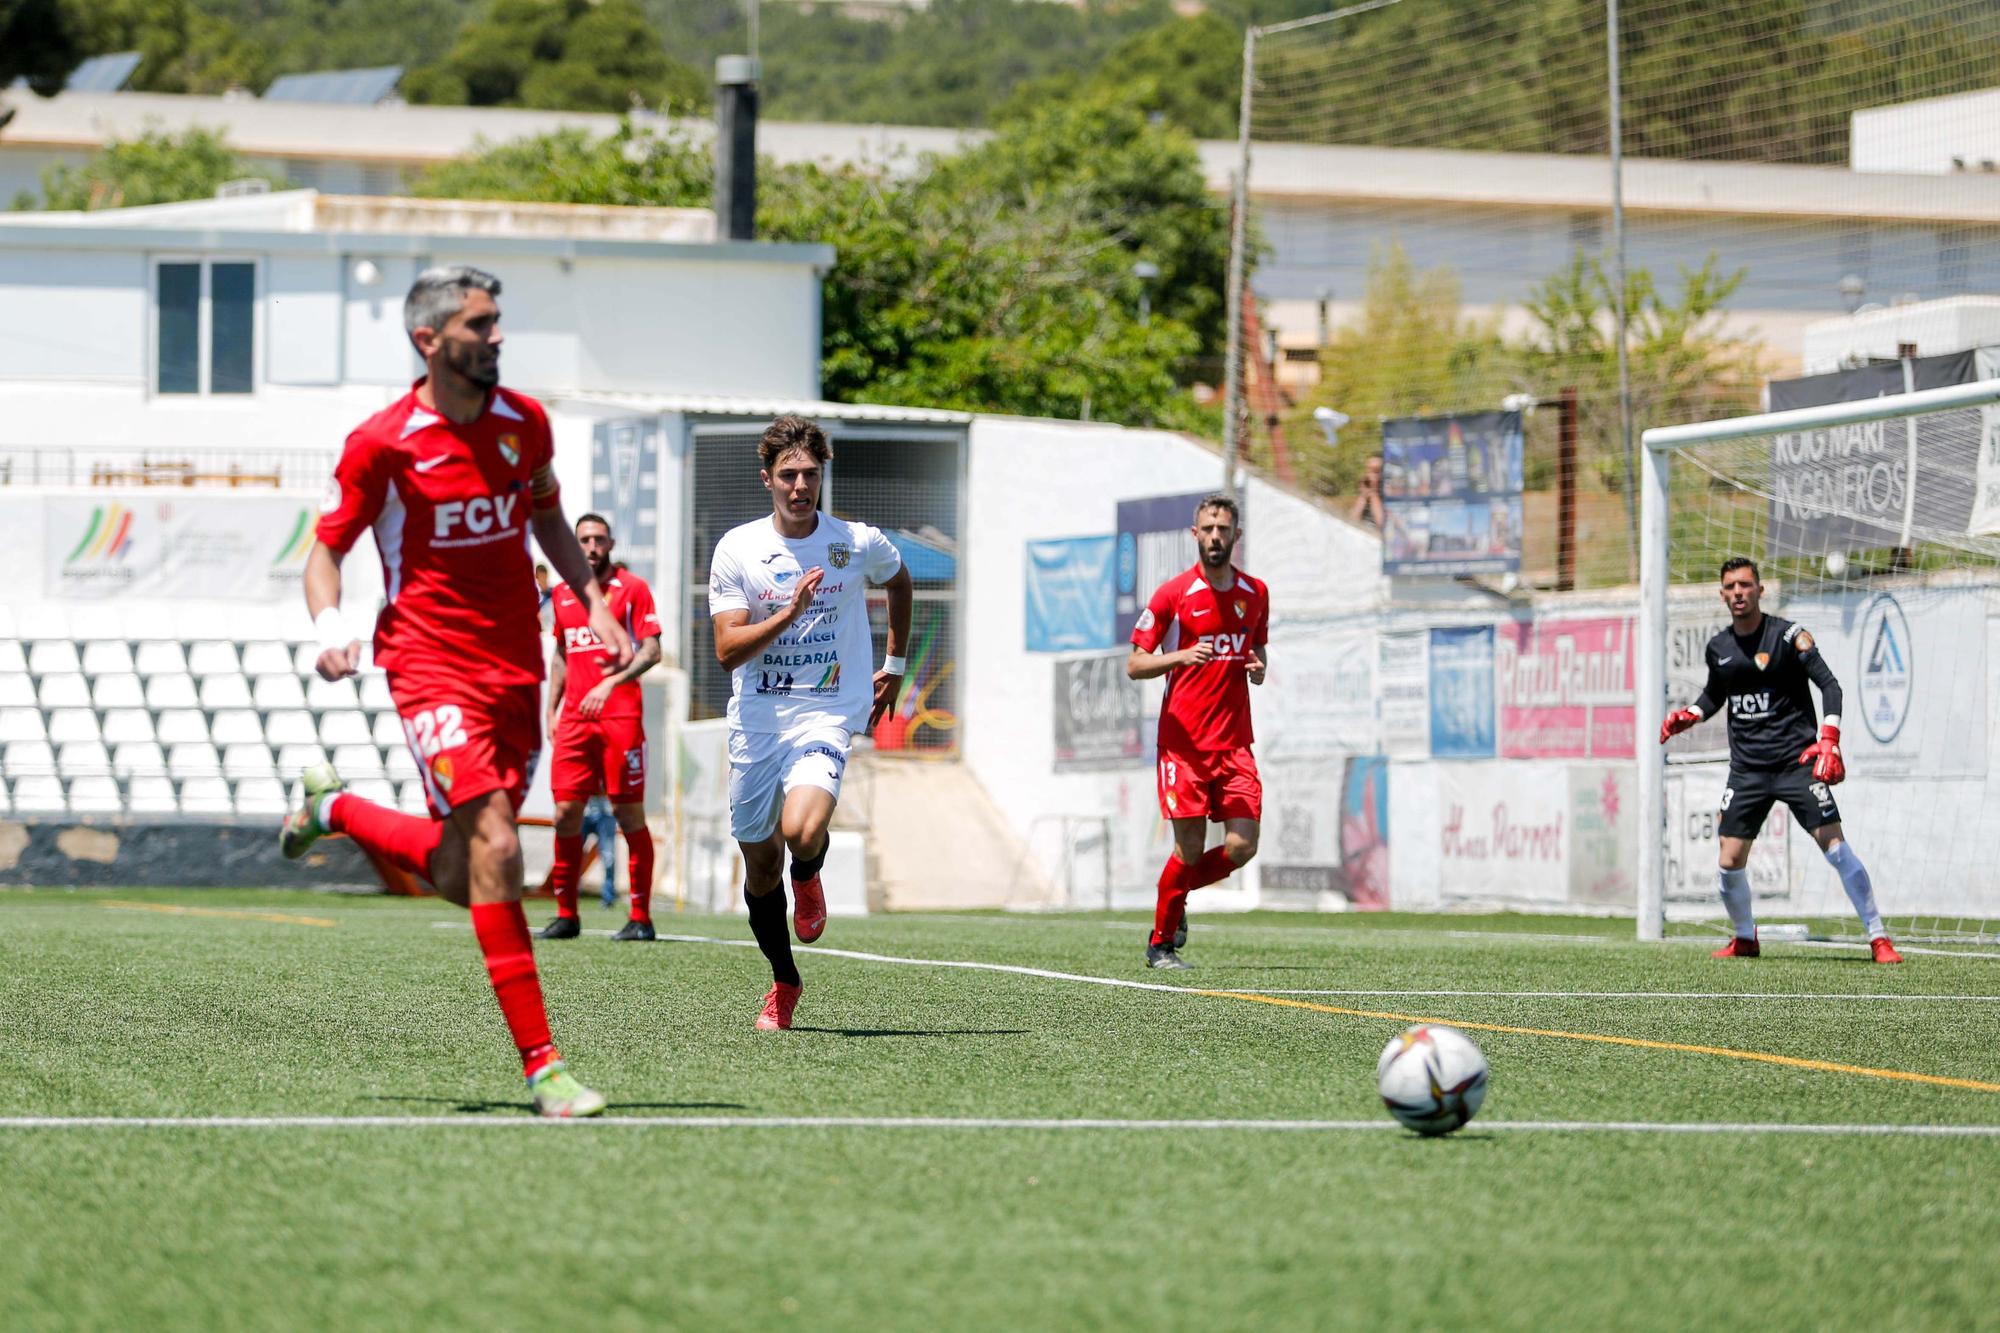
<point>298,756</point>
<point>160,657</point>
<point>30,757</point>
<point>97,794</point>
<point>22,724</point>
<point>293,726</point>
<point>205,796</point>
<point>410,799</point>
<point>138,759</point>
<point>104,657</point>
<point>398,763</point>
<point>233,726</point>
<point>305,659</point>
<point>266,657</point>
<point>363,761</point>
<point>39,795</point>
<point>83,758</point>
<point>213,657</point>
<point>72,724</point>
<point>324,694</point>
<point>274,691</point>
<point>66,689</point>
<point>248,759</point>
<point>52,655</point>
<point>387,729</point>
<point>193,759</point>
<point>182,724</point>
<point>171,692</point>
<point>128,724</point>
<point>376,790</point>
<point>261,796</point>
<point>12,657</point>
<point>375,695</point>
<point>151,794</point>
<point>345,727</point>
<point>42,620</point>
<point>17,690</point>
<point>121,690</point>
<point>229,690</point>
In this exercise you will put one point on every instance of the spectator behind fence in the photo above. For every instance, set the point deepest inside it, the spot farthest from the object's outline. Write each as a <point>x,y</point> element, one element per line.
<point>1368,503</point>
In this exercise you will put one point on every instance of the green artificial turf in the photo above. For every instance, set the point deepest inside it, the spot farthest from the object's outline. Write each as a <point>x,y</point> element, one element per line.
<point>115,1010</point>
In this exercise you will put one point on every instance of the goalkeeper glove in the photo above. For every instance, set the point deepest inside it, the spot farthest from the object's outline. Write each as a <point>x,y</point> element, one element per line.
<point>1824,756</point>
<point>1677,722</point>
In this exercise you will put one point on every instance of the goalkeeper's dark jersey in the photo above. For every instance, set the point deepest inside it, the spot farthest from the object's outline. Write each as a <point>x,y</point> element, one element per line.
<point>1763,677</point>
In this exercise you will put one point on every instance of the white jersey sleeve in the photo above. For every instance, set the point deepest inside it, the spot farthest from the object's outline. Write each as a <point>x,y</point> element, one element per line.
<point>879,557</point>
<point>725,582</point>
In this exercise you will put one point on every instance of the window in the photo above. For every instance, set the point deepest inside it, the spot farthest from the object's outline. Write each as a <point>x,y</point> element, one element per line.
<point>205,326</point>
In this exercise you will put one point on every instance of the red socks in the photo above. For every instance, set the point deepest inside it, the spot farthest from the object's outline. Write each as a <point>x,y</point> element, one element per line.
<point>502,929</point>
<point>1213,867</point>
<point>640,842</point>
<point>568,869</point>
<point>402,840</point>
<point>1178,880</point>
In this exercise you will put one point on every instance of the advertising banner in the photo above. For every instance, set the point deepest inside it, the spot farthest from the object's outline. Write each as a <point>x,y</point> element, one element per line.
<point>1691,622</point>
<point>234,548</point>
<point>1451,494</point>
<point>1461,692</point>
<point>1154,543</point>
<point>1327,831</point>
<point>1503,832</point>
<point>1604,835</point>
<point>1403,691</point>
<point>1098,714</point>
<point>1069,595</point>
<point>625,488</point>
<point>1694,819</point>
<point>1565,689</point>
<point>1319,700</point>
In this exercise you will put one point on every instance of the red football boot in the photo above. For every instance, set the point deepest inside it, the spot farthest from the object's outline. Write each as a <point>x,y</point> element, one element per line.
<point>779,1002</point>
<point>808,910</point>
<point>1884,951</point>
<point>1738,947</point>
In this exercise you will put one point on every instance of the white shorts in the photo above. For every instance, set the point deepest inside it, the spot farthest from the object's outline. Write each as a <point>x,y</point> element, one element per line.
<point>764,766</point>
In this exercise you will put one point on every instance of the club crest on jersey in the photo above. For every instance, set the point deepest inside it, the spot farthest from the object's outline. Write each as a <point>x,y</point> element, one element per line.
<point>1763,660</point>
<point>442,770</point>
<point>1242,608</point>
<point>510,449</point>
<point>837,554</point>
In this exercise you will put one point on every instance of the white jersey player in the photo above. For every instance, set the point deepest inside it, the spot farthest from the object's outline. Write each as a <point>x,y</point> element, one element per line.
<point>788,598</point>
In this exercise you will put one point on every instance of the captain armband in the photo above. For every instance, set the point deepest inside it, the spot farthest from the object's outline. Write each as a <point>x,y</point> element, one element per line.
<point>547,492</point>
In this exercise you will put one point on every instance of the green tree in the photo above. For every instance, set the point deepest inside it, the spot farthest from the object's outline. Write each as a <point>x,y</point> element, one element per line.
<point>580,55</point>
<point>1187,72</point>
<point>151,169</point>
<point>181,48</point>
<point>631,167</point>
<point>40,41</point>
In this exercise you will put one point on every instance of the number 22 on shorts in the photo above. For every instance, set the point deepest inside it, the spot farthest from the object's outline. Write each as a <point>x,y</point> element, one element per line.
<point>435,729</point>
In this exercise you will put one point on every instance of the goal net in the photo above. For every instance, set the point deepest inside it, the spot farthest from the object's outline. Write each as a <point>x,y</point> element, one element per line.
<point>1876,526</point>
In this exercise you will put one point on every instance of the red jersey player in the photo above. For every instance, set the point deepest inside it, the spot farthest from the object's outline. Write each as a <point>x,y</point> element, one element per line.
<point>453,477</point>
<point>1206,771</point>
<point>597,731</point>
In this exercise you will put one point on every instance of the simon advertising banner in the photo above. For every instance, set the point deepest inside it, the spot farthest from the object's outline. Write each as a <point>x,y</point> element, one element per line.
<point>206,547</point>
<point>1565,689</point>
<point>1451,494</point>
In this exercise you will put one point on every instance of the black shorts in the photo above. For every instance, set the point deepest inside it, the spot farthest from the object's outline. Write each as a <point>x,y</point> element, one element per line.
<point>1749,796</point>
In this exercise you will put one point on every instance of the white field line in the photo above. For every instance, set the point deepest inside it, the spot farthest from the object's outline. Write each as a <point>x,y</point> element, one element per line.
<point>1212,923</point>
<point>977,1123</point>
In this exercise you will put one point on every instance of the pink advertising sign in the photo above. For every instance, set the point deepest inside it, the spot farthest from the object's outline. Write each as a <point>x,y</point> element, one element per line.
<point>1565,689</point>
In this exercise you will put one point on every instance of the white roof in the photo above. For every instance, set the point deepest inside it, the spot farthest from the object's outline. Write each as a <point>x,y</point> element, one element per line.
<point>719,405</point>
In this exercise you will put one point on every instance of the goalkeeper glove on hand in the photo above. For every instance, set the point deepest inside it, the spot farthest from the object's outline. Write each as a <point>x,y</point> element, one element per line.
<point>1677,722</point>
<point>1824,756</point>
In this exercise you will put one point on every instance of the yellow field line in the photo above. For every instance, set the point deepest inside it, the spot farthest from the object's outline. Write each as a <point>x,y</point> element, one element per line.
<point>168,909</point>
<point>1761,1057</point>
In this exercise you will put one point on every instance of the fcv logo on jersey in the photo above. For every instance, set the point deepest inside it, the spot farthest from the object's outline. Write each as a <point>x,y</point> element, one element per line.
<point>1887,668</point>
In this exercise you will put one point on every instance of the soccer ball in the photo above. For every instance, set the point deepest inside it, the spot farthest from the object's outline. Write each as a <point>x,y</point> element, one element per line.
<point>1432,1078</point>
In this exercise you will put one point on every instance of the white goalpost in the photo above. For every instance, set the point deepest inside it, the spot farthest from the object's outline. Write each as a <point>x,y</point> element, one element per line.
<point>1876,525</point>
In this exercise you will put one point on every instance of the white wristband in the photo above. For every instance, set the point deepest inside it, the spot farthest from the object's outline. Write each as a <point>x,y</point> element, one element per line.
<point>331,627</point>
<point>895,666</point>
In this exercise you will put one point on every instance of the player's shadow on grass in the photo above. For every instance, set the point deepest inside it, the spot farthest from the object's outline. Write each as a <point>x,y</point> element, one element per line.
<point>917,1032</point>
<point>467,1105</point>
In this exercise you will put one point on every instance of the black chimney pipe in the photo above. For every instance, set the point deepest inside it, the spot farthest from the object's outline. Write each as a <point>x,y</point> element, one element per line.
<point>736,146</point>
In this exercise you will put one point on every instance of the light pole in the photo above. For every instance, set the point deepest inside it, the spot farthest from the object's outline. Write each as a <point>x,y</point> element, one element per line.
<point>1146,271</point>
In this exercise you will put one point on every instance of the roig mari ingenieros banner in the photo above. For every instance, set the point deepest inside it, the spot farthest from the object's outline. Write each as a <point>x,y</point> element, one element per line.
<point>1451,494</point>
<point>231,548</point>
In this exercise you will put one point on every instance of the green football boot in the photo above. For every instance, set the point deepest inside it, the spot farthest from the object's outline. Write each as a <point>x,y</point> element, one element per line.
<point>302,828</point>
<point>558,1096</point>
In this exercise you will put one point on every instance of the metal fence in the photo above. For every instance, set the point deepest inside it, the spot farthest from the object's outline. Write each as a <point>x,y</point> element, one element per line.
<point>110,465</point>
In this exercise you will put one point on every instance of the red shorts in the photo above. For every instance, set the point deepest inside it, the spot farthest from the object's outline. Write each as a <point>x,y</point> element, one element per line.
<point>1221,784</point>
<point>470,738</point>
<point>601,754</point>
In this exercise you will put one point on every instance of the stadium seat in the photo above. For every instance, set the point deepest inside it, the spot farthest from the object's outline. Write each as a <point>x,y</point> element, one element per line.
<point>205,796</point>
<point>345,727</point>
<point>66,689</point>
<point>151,794</point>
<point>193,759</point>
<point>29,758</point>
<point>324,694</point>
<point>22,724</point>
<point>83,759</point>
<point>358,761</point>
<point>266,658</point>
<point>305,659</point>
<point>227,690</point>
<point>39,795</point>
<point>233,726</point>
<point>261,796</point>
<point>12,657</point>
<point>182,724</point>
<point>49,656</point>
<point>176,691</point>
<point>17,690</point>
<point>72,724</point>
<point>127,724</point>
<point>160,658</point>
<point>399,764</point>
<point>387,729</point>
<point>95,795</point>
<point>298,756</point>
<point>279,691</point>
<point>105,657</point>
<point>292,726</point>
<point>212,657</point>
<point>376,790</point>
<point>121,690</point>
<point>375,695</point>
<point>248,759</point>
<point>410,799</point>
<point>134,759</point>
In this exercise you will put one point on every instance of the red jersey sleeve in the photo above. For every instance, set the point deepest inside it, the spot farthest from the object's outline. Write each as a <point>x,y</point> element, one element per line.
<point>1151,629</point>
<point>1261,635</point>
<point>355,495</point>
<point>642,617</point>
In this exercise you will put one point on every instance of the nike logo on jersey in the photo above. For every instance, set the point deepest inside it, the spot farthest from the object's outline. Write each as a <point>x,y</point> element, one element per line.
<point>1194,611</point>
<point>430,463</point>
<point>1724,661</point>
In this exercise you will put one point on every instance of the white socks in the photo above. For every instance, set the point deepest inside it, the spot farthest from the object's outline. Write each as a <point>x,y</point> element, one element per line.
<point>325,811</point>
<point>1860,891</point>
<point>1736,901</point>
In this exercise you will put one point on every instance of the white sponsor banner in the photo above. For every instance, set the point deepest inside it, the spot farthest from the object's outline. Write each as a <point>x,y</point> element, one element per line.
<point>1503,832</point>
<point>1694,817</point>
<point>1301,837</point>
<point>222,547</point>
<point>1403,689</point>
<point>1604,835</point>
<point>1319,699</point>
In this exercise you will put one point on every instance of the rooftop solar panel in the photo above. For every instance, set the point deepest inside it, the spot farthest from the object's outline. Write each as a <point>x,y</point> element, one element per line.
<point>352,87</point>
<point>102,74</point>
